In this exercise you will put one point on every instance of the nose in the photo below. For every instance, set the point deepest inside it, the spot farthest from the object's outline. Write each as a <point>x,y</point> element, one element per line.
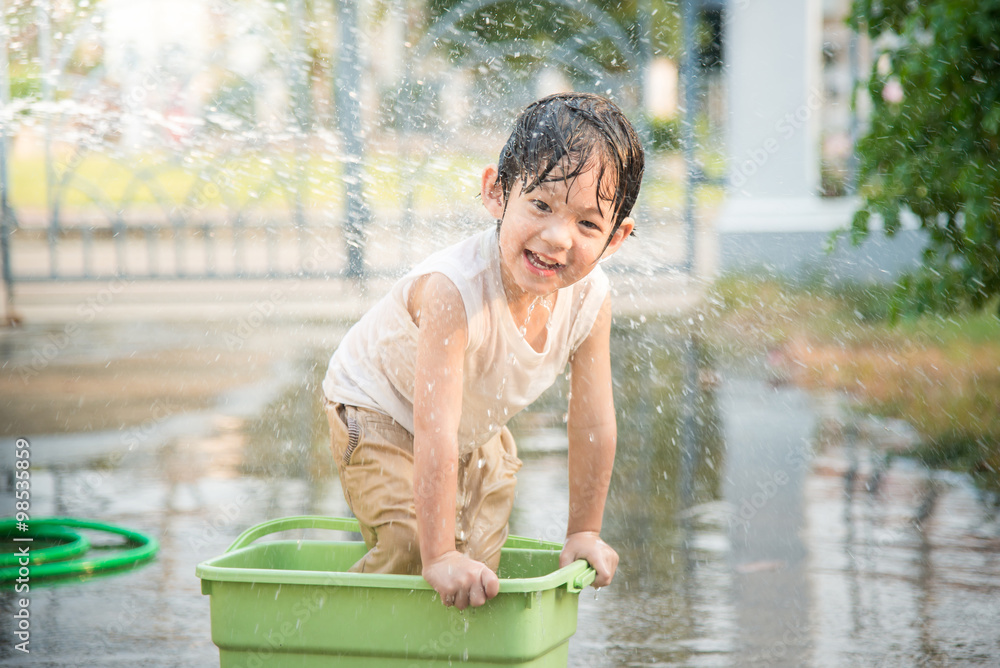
<point>558,233</point>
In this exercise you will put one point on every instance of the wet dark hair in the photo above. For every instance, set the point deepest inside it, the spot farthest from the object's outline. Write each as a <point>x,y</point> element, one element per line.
<point>559,136</point>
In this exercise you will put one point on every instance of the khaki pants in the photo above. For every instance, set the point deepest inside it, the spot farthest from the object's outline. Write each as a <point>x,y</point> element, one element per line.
<point>374,457</point>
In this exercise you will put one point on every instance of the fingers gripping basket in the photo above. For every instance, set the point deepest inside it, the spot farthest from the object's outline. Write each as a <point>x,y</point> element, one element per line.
<point>291,603</point>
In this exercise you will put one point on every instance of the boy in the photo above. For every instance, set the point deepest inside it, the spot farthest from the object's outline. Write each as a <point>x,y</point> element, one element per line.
<point>418,392</point>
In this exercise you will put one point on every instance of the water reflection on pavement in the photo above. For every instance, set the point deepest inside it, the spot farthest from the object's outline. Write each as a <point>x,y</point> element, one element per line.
<point>905,567</point>
<point>765,545</point>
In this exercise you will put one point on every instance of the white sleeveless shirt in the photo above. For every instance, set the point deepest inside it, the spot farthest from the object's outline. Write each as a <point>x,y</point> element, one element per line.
<point>374,365</point>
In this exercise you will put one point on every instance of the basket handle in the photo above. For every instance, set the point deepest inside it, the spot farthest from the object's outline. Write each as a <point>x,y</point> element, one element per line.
<point>580,582</point>
<point>299,522</point>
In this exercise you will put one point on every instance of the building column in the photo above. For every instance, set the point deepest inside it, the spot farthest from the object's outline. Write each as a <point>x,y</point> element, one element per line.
<point>773,62</point>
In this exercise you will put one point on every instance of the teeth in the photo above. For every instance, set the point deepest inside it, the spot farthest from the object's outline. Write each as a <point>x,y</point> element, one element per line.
<point>541,264</point>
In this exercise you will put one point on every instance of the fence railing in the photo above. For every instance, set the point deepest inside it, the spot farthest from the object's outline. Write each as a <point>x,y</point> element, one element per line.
<point>256,158</point>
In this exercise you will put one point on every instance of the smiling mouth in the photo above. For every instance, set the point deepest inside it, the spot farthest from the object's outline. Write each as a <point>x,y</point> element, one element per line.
<point>540,263</point>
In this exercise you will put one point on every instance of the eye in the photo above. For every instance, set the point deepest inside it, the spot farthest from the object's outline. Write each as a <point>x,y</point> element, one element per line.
<point>594,227</point>
<point>541,205</point>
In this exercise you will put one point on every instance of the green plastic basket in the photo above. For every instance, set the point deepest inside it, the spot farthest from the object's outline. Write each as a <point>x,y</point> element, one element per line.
<point>291,603</point>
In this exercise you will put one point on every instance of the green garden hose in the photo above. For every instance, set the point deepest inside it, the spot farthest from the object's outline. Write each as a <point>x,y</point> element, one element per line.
<point>140,547</point>
<point>49,543</point>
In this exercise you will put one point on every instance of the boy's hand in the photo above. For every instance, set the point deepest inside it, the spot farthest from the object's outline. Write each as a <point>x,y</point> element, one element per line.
<point>460,580</point>
<point>588,545</point>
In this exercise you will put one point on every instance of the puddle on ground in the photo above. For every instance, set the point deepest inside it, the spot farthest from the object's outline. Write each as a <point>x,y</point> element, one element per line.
<point>740,544</point>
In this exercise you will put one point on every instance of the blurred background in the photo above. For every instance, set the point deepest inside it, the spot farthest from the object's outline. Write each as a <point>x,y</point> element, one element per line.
<point>231,139</point>
<point>199,197</point>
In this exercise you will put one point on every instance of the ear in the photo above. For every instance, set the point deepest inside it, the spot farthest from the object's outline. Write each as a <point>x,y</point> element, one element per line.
<point>492,192</point>
<point>619,237</point>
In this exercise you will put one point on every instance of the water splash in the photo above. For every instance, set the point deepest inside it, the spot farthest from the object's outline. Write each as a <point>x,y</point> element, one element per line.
<point>546,304</point>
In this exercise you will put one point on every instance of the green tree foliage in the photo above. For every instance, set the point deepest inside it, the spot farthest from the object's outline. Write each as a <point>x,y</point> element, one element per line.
<point>534,19</point>
<point>933,146</point>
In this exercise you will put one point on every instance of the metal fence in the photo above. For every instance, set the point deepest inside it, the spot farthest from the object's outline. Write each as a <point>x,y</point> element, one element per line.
<point>259,157</point>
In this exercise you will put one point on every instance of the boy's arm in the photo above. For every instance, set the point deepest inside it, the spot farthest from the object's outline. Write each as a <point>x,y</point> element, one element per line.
<point>592,441</point>
<point>438,311</point>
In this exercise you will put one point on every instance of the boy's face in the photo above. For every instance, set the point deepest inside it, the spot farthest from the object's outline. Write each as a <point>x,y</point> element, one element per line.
<point>554,235</point>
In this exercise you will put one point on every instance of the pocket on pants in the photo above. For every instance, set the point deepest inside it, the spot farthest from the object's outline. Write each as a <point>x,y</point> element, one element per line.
<point>510,459</point>
<point>345,432</point>
<point>353,437</point>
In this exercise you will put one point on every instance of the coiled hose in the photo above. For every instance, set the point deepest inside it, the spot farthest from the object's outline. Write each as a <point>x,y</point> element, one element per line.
<point>64,557</point>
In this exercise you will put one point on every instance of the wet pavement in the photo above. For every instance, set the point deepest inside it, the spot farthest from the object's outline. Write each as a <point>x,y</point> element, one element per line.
<point>782,535</point>
<point>904,565</point>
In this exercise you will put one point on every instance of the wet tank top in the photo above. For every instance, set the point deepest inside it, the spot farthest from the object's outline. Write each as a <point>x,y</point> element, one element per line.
<point>373,367</point>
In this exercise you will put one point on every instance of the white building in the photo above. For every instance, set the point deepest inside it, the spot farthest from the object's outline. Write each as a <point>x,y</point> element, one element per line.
<point>789,81</point>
